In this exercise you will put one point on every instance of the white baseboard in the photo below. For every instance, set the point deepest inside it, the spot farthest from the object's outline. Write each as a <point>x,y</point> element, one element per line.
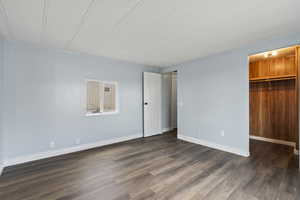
<point>153,134</point>
<point>214,145</point>
<point>48,154</point>
<point>276,141</point>
<point>1,169</point>
<point>167,129</point>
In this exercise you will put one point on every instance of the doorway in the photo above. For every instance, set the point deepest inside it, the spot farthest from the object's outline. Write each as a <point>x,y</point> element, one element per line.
<point>169,102</point>
<point>160,103</point>
<point>273,97</point>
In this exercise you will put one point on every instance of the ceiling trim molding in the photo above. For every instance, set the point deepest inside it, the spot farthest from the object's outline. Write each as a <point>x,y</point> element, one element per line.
<point>80,25</point>
<point>5,16</point>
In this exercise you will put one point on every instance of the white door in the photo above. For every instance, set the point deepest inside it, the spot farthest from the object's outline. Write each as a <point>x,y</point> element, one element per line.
<point>152,104</point>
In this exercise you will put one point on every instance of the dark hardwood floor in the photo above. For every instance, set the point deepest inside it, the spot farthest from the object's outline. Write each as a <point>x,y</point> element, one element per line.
<point>159,167</point>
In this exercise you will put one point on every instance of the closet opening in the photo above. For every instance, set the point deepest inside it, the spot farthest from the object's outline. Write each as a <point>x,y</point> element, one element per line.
<point>274,102</point>
<point>169,103</point>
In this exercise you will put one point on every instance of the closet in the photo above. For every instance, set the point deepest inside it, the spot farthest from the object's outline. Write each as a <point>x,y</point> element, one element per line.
<point>273,95</point>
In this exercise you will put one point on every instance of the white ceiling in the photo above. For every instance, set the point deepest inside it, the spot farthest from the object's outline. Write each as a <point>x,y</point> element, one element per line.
<point>152,32</point>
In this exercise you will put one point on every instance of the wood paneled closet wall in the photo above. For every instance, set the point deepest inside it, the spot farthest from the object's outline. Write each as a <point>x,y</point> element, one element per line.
<point>274,95</point>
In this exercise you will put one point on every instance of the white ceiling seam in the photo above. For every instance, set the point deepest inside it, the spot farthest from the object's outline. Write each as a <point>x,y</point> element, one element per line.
<point>25,19</point>
<point>154,32</point>
<point>44,20</point>
<point>3,11</point>
<point>3,28</point>
<point>83,18</point>
<point>126,14</point>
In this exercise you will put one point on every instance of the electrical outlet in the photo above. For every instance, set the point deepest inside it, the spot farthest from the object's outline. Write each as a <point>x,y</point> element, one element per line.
<point>222,133</point>
<point>77,141</point>
<point>52,145</point>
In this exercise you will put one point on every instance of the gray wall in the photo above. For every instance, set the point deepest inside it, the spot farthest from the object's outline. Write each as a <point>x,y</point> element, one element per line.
<point>45,95</point>
<point>1,100</point>
<point>214,94</point>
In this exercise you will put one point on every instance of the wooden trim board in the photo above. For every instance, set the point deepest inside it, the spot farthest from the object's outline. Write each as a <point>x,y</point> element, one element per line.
<point>275,141</point>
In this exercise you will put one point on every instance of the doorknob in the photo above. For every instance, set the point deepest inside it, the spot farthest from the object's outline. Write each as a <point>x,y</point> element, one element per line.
<point>146,103</point>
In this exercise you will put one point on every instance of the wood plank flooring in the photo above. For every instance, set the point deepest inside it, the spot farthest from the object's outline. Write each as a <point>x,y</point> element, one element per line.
<point>159,167</point>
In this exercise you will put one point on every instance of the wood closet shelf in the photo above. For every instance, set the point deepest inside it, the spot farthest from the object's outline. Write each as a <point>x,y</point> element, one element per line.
<point>273,78</point>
